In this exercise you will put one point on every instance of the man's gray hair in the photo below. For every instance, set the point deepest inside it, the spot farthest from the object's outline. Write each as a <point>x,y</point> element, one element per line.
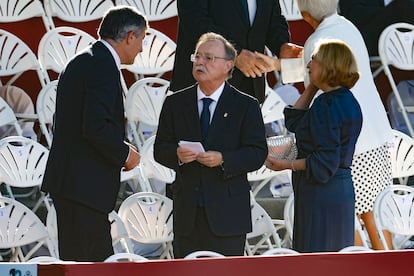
<point>119,21</point>
<point>318,9</point>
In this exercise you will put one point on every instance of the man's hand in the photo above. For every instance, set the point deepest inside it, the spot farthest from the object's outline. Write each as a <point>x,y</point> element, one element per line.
<point>186,155</point>
<point>210,158</point>
<point>290,50</point>
<point>250,65</point>
<point>133,159</point>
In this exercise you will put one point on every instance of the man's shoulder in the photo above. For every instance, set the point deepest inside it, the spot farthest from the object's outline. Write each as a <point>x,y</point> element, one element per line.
<point>240,94</point>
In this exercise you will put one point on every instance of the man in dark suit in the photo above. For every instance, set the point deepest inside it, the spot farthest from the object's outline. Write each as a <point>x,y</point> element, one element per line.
<point>88,148</point>
<point>211,192</point>
<point>372,16</point>
<point>250,29</point>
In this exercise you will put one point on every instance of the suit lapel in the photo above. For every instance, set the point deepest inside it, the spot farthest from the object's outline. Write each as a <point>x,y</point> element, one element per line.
<point>222,113</point>
<point>239,9</point>
<point>191,117</point>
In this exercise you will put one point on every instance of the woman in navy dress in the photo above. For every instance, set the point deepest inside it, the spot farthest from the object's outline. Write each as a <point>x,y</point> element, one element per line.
<point>326,134</point>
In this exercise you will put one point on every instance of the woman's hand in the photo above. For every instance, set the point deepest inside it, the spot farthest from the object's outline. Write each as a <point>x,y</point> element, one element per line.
<point>277,164</point>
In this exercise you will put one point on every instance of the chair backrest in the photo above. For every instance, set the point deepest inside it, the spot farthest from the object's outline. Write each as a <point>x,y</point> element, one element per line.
<point>144,100</point>
<point>120,238</point>
<point>355,248</point>
<point>52,229</point>
<point>203,254</point>
<point>45,107</point>
<point>21,227</point>
<point>290,10</point>
<point>147,217</point>
<point>77,10</point>
<point>125,257</point>
<point>150,168</point>
<point>394,211</point>
<point>260,177</point>
<point>395,48</point>
<point>22,162</point>
<point>280,251</point>
<point>23,109</point>
<point>288,215</point>
<point>44,260</point>
<point>263,235</point>
<point>18,10</point>
<point>272,107</point>
<point>59,45</point>
<point>153,9</point>
<point>157,56</point>
<point>402,155</point>
<point>16,58</point>
<point>8,120</point>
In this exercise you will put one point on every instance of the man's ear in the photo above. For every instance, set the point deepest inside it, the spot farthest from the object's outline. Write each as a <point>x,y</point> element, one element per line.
<point>130,36</point>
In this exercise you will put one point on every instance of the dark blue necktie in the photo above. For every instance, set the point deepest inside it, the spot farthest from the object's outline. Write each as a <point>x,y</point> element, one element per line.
<point>205,117</point>
<point>245,9</point>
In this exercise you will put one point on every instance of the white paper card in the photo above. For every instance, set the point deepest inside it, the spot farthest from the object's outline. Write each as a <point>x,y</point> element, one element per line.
<point>195,147</point>
<point>292,70</point>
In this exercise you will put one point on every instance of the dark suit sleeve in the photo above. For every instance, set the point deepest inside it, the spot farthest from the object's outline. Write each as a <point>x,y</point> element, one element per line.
<point>252,151</point>
<point>278,31</point>
<point>165,146</point>
<point>102,123</point>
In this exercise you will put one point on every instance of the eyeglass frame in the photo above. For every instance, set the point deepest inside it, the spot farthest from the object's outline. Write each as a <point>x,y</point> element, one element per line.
<point>210,58</point>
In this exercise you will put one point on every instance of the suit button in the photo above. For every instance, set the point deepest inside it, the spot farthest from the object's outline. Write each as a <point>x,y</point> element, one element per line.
<point>197,189</point>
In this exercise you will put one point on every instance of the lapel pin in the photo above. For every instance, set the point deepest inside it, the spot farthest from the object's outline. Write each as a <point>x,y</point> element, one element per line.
<point>225,115</point>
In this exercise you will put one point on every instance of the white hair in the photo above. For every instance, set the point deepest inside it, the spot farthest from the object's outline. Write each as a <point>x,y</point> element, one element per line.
<point>318,9</point>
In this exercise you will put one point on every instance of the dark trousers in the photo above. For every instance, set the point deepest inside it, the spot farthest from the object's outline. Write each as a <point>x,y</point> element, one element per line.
<point>202,238</point>
<point>84,234</point>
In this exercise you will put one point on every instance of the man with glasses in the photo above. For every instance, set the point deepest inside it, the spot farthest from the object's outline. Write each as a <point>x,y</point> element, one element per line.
<point>212,135</point>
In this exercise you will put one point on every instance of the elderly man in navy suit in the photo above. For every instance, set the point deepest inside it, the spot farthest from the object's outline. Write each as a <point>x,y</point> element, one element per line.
<point>211,192</point>
<point>88,148</point>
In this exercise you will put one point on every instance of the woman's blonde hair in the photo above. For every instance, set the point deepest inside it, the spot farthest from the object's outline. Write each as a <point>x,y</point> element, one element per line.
<point>338,63</point>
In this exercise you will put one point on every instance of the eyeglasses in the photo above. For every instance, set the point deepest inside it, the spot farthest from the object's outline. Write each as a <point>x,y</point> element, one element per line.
<point>207,57</point>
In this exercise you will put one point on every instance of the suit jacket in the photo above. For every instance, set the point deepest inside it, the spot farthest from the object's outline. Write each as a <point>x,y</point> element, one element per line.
<point>197,17</point>
<point>237,131</point>
<point>88,151</point>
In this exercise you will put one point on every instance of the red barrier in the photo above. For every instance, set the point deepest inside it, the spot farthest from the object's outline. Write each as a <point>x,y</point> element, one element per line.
<point>384,263</point>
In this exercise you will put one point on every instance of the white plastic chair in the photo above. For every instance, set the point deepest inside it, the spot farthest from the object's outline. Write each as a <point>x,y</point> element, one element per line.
<point>157,56</point>
<point>355,248</point>
<point>394,211</point>
<point>8,120</point>
<point>59,45</point>
<point>19,10</point>
<point>22,165</point>
<point>203,254</point>
<point>290,10</point>
<point>143,105</point>
<point>45,107</point>
<point>77,10</point>
<point>263,235</point>
<point>151,169</point>
<point>396,48</point>
<point>44,260</point>
<point>154,10</point>
<point>52,229</point>
<point>280,251</point>
<point>402,156</point>
<point>148,219</point>
<point>16,58</point>
<point>259,178</point>
<point>125,257</point>
<point>120,238</point>
<point>21,227</point>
